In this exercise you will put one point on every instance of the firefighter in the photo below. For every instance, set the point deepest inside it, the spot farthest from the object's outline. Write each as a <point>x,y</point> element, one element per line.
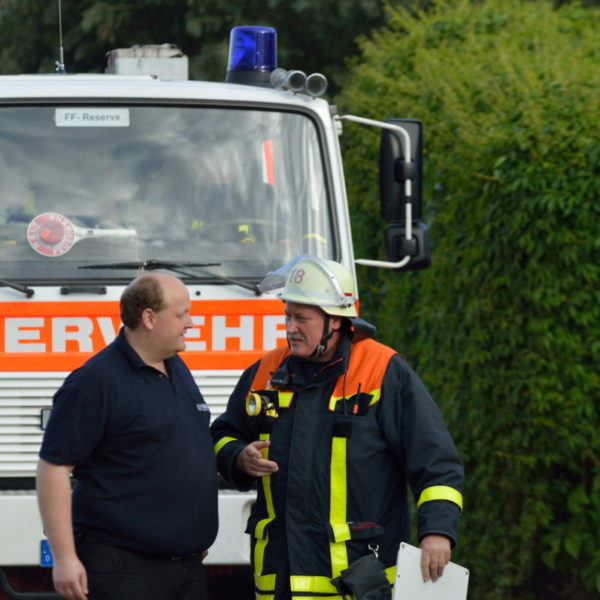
<point>333,428</point>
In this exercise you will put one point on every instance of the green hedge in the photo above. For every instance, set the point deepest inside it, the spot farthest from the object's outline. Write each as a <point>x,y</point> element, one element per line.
<point>504,327</point>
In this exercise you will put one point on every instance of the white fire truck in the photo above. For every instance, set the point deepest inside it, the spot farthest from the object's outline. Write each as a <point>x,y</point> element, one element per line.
<point>102,176</point>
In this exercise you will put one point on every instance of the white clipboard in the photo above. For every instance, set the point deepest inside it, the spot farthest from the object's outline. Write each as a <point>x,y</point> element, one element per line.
<point>409,584</point>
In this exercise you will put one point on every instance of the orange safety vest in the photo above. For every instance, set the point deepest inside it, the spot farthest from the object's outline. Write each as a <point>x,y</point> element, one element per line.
<point>368,363</point>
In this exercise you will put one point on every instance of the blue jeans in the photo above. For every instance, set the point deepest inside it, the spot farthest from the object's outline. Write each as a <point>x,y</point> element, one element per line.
<point>119,574</point>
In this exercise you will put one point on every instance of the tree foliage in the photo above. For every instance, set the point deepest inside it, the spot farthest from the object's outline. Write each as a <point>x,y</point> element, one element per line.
<point>314,36</point>
<point>505,324</point>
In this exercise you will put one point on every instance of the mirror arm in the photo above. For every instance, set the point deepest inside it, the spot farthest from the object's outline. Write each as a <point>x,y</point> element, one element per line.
<point>407,188</point>
<point>403,261</point>
<point>383,125</point>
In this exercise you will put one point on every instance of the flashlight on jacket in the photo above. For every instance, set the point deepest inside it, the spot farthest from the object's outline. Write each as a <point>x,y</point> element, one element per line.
<point>263,402</point>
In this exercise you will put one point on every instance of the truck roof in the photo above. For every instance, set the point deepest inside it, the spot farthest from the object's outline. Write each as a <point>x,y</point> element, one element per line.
<point>107,87</point>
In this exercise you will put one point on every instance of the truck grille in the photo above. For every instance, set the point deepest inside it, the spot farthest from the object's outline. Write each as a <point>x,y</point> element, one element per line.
<point>23,395</point>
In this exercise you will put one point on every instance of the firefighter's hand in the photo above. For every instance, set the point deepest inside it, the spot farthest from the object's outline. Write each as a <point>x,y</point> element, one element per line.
<point>70,579</point>
<point>251,461</point>
<point>435,556</point>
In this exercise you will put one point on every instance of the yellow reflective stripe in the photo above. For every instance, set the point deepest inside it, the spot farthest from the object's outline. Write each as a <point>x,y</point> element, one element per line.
<point>285,399</point>
<point>339,557</point>
<point>223,442</point>
<point>259,530</point>
<point>261,543</point>
<point>311,583</point>
<point>441,492</point>
<point>390,574</point>
<point>259,555</point>
<point>337,502</point>
<point>341,531</point>
<point>311,597</point>
<point>337,492</point>
<point>322,585</point>
<point>376,393</point>
<point>376,397</point>
<point>265,583</point>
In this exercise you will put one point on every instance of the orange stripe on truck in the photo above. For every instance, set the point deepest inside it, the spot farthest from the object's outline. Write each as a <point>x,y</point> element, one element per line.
<point>60,336</point>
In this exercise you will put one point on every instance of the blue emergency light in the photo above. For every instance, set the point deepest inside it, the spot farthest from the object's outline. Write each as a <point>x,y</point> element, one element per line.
<point>252,55</point>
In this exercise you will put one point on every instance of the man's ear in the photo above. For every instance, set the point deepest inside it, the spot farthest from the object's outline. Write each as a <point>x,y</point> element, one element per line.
<point>334,322</point>
<point>147,318</point>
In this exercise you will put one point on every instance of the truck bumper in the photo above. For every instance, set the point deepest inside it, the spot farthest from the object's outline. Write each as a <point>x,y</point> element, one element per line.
<point>21,529</point>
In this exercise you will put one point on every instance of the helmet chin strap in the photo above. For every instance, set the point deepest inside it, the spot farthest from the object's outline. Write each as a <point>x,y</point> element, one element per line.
<point>322,345</point>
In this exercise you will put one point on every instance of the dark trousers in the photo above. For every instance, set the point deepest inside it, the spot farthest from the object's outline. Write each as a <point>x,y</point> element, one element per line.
<point>119,574</point>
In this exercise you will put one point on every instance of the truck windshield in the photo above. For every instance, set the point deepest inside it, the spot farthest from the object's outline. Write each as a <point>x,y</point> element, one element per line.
<point>82,185</point>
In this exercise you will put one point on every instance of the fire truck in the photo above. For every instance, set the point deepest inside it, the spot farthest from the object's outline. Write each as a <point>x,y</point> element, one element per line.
<point>103,176</point>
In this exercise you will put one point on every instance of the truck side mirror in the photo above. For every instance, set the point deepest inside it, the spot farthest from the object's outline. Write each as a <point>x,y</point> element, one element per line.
<point>394,171</point>
<point>417,247</point>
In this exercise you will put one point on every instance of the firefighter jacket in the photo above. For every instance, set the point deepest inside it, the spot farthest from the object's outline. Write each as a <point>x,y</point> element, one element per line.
<point>349,437</point>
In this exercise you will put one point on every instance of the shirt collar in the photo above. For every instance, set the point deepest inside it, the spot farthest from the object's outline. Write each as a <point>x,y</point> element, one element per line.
<point>132,357</point>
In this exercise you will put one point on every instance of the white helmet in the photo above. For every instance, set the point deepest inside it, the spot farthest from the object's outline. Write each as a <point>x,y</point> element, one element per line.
<point>316,281</point>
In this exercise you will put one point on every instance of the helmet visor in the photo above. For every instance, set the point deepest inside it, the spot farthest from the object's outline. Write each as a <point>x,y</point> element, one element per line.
<point>309,280</point>
<point>275,280</point>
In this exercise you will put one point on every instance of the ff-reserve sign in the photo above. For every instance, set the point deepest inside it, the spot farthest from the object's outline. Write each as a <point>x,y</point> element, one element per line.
<point>91,117</point>
<point>60,336</point>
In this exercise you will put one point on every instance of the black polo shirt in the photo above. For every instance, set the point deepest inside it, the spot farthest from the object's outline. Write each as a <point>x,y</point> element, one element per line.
<point>140,444</point>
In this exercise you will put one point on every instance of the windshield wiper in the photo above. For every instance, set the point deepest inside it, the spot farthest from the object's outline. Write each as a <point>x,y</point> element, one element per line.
<point>151,264</point>
<point>147,265</point>
<point>19,287</point>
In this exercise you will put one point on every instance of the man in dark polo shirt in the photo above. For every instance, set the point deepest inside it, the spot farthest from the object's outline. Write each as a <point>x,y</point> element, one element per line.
<point>132,428</point>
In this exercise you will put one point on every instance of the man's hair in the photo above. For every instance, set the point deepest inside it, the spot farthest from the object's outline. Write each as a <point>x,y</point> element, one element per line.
<point>143,292</point>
